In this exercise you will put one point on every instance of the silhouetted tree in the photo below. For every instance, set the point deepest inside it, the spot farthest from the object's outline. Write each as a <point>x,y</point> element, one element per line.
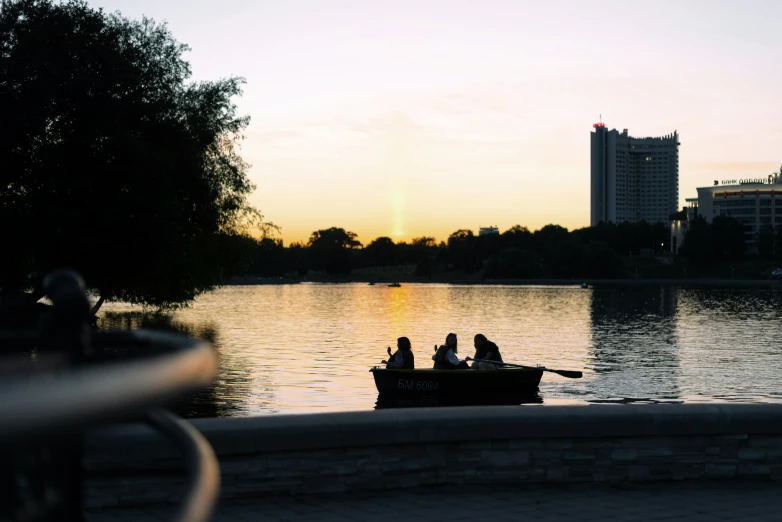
<point>698,245</point>
<point>517,237</point>
<point>111,163</point>
<point>642,236</point>
<point>584,236</point>
<point>422,252</point>
<point>546,236</point>
<point>661,237</point>
<point>421,248</point>
<point>514,263</point>
<point>424,242</point>
<point>778,239</point>
<point>626,241</point>
<point>605,232</point>
<point>489,244</point>
<point>329,250</point>
<point>296,258</point>
<point>564,255</point>
<point>766,241</point>
<point>380,252</point>
<point>463,250</point>
<point>600,261</point>
<point>269,259</point>
<point>728,238</point>
<point>425,267</point>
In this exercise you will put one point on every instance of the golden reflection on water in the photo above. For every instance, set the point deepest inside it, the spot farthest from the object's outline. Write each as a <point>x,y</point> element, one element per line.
<point>308,347</point>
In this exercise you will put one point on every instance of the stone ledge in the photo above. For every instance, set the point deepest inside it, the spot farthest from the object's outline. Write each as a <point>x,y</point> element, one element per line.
<point>247,435</point>
<point>131,466</point>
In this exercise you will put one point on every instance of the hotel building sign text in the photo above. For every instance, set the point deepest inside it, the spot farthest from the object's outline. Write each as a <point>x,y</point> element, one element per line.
<point>747,181</point>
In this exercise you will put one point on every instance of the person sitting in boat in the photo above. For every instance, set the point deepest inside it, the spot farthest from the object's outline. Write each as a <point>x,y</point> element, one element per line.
<point>403,357</point>
<point>445,357</point>
<point>487,351</point>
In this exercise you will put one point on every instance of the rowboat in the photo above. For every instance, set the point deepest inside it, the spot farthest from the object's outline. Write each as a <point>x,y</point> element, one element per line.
<point>485,383</point>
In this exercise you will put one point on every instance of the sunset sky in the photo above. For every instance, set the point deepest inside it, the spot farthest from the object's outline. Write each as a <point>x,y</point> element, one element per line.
<point>411,118</point>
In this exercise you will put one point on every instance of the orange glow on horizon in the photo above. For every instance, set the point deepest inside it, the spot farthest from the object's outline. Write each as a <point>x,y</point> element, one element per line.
<point>411,119</point>
<point>440,233</point>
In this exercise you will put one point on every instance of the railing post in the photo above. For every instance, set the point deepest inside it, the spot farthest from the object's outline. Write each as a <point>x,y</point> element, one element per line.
<point>65,329</point>
<point>41,478</point>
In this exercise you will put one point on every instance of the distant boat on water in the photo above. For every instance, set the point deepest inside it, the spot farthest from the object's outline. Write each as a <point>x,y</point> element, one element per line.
<point>371,283</point>
<point>394,285</point>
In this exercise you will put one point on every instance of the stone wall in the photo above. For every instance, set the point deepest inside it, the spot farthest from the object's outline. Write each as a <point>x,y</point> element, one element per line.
<point>341,452</point>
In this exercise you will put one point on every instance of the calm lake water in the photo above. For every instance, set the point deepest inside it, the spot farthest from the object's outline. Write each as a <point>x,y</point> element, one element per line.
<point>308,347</point>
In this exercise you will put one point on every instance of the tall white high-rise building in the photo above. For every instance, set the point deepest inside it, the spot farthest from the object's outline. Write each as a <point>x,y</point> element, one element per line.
<point>633,179</point>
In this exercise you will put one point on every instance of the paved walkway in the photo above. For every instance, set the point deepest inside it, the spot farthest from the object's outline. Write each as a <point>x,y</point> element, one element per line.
<point>756,502</point>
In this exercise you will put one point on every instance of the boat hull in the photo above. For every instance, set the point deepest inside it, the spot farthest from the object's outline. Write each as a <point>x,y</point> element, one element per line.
<point>476,383</point>
<point>386,401</point>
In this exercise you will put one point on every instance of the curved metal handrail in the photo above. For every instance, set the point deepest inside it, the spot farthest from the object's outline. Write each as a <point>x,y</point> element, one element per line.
<point>201,462</point>
<point>43,405</point>
<point>73,392</point>
<point>78,396</point>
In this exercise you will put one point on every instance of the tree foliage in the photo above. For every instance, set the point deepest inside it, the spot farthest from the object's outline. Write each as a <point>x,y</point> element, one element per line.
<point>778,239</point>
<point>722,239</point>
<point>728,238</point>
<point>766,239</point>
<point>517,237</point>
<point>381,252</point>
<point>463,251</point>
<point>113,163</point>
<point>698,243</point>
<point>329,250</point>
<point>513,263</point>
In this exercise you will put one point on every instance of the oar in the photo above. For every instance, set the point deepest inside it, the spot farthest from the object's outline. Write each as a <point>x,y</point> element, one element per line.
<point>570,374</point>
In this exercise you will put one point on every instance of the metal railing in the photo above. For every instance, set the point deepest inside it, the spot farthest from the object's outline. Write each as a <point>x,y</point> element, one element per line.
<point>43,412</point>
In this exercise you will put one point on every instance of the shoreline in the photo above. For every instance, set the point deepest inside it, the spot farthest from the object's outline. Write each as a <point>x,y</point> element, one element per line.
<point>726,283</point>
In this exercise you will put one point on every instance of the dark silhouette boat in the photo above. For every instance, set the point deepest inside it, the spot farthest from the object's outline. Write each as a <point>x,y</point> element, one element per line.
<point>476,383</point>
<point>389,401</point>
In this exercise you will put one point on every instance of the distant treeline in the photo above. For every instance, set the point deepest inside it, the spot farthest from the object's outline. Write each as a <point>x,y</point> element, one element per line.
<point>604,251</point>
<point>724,239</point>
<point>552,251</point>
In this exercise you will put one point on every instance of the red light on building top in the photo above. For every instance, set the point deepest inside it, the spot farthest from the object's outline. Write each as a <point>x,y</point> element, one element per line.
<point>626,130</point>
<point>601,124</point>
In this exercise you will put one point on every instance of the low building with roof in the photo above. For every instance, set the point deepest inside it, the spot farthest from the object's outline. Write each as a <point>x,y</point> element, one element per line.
<point>754,202</point>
